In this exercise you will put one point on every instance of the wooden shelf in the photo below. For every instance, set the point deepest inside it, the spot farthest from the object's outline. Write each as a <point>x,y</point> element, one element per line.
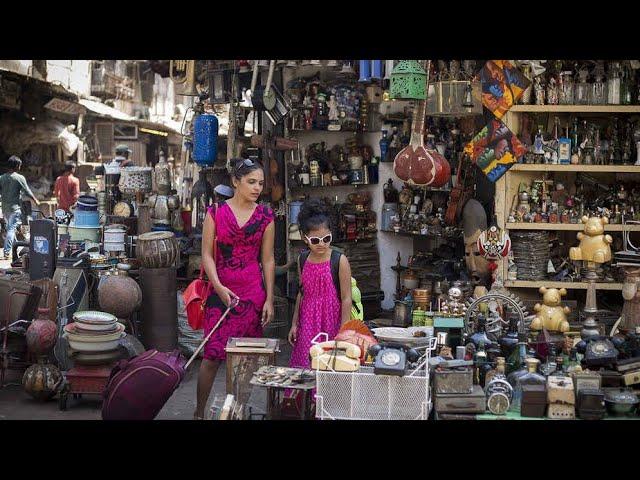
<point>357,185</point>
<point>532,167</point>
<point>578,227</point>
<point>576,108</point>
<point>567,285</point>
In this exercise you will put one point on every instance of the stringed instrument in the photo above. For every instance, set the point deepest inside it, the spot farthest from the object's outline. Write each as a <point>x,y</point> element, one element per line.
<point>416,164</point>
<point>461,193</point>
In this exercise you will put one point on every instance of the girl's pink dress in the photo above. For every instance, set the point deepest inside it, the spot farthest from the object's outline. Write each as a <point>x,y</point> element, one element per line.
<point>319,310</point>
<point>238,267</point>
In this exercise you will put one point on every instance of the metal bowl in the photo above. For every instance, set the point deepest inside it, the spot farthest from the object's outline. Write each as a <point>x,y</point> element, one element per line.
<point>621,402</point>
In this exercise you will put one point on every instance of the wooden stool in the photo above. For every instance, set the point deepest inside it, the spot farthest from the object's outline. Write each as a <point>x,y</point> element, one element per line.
<point>244,357</point>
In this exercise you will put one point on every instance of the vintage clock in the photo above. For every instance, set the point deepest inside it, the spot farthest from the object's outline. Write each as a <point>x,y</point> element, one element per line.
<point>499,394</point>
<point>123,209</point>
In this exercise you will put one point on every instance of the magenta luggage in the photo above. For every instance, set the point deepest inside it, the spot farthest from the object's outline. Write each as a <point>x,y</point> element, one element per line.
<point>138,388</point>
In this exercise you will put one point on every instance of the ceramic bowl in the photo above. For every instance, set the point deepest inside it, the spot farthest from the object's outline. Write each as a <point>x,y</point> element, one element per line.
<point>94,317</point>
<point>403,336</point>
<point>90,327</point>
<point>73,335</point>
<point>94,346</point>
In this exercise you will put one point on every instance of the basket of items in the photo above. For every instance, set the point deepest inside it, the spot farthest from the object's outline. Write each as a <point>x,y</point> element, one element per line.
<point>395,386</point>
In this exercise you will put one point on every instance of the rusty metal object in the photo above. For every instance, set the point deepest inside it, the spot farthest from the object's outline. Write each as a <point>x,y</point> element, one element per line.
<point>160,308</point>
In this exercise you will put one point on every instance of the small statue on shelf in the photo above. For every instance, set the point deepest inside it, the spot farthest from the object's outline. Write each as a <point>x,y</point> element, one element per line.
<point>454,305</point>
<point>538,90</point>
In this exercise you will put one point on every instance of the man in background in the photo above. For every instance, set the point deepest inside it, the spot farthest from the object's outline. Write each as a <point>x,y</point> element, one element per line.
<point>12,184</point>
<point>67,187</point>
<point>122,156</point>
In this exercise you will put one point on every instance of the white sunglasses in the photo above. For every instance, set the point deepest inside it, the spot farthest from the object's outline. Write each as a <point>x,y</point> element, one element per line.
<point>317,240</point>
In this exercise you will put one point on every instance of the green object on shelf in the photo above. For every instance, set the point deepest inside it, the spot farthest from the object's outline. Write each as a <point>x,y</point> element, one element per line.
<point>448,322</point>
<point>408,81</point>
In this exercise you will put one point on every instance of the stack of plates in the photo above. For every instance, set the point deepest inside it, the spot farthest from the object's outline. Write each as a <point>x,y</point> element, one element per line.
<point>530,253</point>
<point>94,332</point>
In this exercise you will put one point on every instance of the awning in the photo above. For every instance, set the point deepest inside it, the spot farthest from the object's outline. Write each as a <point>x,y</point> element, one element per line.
<point>105,110</point>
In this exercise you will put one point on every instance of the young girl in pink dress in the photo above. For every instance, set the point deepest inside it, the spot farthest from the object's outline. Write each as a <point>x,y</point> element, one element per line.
<point>243,268</point>
<point>319,307</point>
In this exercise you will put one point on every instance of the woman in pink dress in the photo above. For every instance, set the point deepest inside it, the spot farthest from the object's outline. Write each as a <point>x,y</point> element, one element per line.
<point>243,268</point>
<point>319,307</point>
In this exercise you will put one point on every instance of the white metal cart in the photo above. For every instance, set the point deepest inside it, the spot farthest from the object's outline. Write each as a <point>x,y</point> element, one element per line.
<point>362,395</point>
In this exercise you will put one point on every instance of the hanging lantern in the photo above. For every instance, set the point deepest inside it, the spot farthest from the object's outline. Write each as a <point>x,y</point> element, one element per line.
<point>202,195</point>
<point>468,96</point>
<point>220,84</point>
<point>205,139</point>
<point>408,81</point>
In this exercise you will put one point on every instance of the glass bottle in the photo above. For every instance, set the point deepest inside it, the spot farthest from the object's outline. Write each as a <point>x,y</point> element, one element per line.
<point>531,377</point>
<point>582,88</point>
<point>566,88</point>
<point>384,145</point>
<point>574,136</point>
<point>498,370</point>
<point>626,87</point>
<point>613,84</point>
<point>515,361</point>
<point>573,365</point>
<point>479,361</point>
<point>598,89</point>
<point>304,174</point>
<point>509,340</point>
<point>481,334</point>
<point>549,365</point>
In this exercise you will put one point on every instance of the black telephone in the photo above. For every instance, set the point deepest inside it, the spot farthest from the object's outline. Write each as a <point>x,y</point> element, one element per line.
<point>391,358</point>
<point>598,351</point>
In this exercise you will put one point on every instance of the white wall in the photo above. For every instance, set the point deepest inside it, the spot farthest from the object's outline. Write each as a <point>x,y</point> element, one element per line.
<point>22,67</point>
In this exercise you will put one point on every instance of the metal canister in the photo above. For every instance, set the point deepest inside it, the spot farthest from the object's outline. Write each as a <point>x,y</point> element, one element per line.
<point>205,139</point>
<point>418,316</point>
<point>400,314</point>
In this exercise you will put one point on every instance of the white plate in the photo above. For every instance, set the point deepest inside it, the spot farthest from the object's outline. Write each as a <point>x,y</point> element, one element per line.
<point>403,336</point>
<point>94,347</point>
<point>95,317</point>
<point>96,327</point>
<point>79,337</point>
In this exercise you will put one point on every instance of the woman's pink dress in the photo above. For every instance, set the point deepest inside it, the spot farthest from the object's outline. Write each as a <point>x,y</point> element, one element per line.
<point>238,267</point>
<point>319,310</point>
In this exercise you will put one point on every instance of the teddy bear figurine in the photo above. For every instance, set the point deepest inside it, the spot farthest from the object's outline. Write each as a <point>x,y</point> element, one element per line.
<point>594,246</point>
<point>551,315</point>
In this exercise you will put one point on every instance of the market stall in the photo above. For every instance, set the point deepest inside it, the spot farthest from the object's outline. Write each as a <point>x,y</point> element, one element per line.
<point>487,210</point>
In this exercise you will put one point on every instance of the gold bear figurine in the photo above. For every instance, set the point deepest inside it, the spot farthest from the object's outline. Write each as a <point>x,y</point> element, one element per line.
<point>594,244</point>
<point>551,315</point>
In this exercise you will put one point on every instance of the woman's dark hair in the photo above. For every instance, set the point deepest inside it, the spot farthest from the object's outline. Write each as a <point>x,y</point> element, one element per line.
<point>68,166</point>
<point>14,162</point>
<point>314,214</point>
<point>241,167</point>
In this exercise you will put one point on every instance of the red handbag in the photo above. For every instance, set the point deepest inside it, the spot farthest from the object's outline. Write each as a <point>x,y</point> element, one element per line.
<point>196,294</point>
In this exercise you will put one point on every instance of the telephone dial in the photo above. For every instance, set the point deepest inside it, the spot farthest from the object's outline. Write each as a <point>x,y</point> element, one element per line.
<point>392,359</point>
<point>598,351</point>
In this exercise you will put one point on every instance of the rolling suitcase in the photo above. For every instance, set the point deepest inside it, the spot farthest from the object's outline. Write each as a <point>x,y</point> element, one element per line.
<point>138,388</point>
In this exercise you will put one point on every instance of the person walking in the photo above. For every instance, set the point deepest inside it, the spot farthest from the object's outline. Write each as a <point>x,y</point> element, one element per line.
<point>12,184</point>
<point>240,265</point>
<point>67,187</point>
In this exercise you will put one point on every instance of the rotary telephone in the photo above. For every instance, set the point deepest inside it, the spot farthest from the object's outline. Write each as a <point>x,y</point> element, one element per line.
<point>392,359</point>
<point>598,351</point>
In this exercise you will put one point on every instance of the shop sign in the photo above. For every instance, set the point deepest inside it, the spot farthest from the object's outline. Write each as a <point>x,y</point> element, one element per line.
<point>64,106</point>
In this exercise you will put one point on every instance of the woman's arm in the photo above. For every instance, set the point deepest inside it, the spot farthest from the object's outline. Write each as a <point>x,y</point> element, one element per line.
<point>269,271</point>
<point>208,261</point>
<point>345,289</point>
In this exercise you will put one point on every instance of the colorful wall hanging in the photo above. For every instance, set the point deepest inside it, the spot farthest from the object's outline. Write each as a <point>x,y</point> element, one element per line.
<point>495,149</point>
<point>502,85</point>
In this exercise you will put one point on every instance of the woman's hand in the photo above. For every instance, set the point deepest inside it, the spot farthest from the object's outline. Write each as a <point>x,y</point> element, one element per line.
<point>267,312</point>
<point>225,294</point>
<point>293,333</point>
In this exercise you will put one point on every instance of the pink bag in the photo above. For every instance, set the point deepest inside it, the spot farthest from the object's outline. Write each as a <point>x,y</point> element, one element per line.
<point>139,388</point>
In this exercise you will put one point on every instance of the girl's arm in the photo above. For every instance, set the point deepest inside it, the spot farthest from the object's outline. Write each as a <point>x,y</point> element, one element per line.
<point>269,271</point>
<point>293,331</point>
<point>345,289</point>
